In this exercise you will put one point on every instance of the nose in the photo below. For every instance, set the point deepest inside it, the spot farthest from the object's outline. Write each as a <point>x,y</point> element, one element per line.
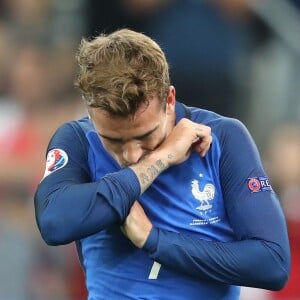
<point>132,152</point>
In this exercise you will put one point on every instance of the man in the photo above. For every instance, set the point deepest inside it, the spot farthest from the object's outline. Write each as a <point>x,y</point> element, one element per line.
<point>154,214</point>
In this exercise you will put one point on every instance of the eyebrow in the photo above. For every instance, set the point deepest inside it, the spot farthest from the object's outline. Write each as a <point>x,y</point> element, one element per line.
<point>138,137</point>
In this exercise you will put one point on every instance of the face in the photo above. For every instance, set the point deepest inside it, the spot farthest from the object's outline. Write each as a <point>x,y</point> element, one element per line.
<point>128,139</point>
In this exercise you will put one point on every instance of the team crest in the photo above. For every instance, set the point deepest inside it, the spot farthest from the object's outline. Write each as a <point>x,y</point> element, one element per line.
<point>205,196</point>
<point>56,159</point>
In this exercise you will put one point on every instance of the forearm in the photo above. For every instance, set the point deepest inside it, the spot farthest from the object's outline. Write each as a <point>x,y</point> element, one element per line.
<point>66,212</point>
<point>69,211</point>
<point>253,263</point>
<point>150,167</point>
<point>184,138</point>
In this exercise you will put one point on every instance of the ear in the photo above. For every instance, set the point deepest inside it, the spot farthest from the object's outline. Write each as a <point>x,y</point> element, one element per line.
<point>171,99</point>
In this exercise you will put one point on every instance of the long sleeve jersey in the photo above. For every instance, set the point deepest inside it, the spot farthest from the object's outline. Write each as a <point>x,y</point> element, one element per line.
<point>217,223</point>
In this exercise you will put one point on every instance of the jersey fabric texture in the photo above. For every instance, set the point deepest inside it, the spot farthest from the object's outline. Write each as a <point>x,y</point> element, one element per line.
<point>209,216</point>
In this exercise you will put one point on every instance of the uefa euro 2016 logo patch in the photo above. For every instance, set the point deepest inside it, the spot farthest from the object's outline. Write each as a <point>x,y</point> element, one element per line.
<point>56,159</point>
<point>259,184</point>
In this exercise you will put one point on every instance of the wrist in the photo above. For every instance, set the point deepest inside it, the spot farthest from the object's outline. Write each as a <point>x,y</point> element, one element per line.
<point>159,158</point>
<point>149,168</point>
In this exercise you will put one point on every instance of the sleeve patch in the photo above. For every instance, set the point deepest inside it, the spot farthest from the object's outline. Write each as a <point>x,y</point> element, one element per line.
<point>56,159</point>
<point>259,184</point>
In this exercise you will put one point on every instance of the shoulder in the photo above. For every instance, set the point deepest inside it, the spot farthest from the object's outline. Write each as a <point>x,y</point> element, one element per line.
<point>221,126</point>
<point>76,127</point>
<point>230,134</point>
<point>81,126</point>
<point>71,134</point>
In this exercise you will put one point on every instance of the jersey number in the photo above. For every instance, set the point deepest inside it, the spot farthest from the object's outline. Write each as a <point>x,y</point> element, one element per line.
<point>154,270</point>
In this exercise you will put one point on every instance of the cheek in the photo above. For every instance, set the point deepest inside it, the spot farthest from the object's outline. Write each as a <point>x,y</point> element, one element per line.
<point>111,148</point>
<point>155,141</point>
<point>115,152</point>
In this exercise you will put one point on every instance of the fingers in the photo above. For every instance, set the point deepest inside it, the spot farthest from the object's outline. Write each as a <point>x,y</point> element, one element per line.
<point>204,140</point>
<point>184,137</point>
<point>202,146</point>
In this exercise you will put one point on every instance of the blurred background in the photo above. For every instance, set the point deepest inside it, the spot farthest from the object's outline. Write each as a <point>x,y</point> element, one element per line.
<point>240,58</point>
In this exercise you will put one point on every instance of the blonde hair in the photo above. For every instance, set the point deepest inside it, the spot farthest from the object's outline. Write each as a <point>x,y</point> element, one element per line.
<point>120,71</point>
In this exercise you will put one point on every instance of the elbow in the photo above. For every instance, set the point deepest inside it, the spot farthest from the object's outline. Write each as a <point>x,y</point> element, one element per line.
<point>51,223</point>
<point>49,235</point>
<point>280,273</point>
<point>278,279</point>
<point>271,269</point>
<point>273,279</point>
<point>277,276</point>
<point>52,231</point>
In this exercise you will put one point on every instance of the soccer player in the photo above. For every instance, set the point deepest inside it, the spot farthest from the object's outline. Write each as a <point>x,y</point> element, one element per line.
<point>159,206</point>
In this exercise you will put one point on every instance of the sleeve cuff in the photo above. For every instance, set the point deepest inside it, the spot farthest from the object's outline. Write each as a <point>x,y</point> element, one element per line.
<point>152,241</point>
<point>129,182</point>
<point>120,189</point>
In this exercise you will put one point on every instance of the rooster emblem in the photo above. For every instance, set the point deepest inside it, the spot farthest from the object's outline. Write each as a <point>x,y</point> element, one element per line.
<point>204,196</point>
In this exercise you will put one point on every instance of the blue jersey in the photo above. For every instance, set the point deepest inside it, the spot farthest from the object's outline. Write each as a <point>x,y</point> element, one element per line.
<point>217,223</point>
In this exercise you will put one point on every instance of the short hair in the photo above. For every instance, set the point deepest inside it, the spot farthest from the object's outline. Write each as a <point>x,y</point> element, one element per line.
<point>121,71</point>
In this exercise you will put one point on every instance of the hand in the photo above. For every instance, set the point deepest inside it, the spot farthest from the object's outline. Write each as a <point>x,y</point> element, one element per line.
<point>185,137</point>
<point>203,142</point>
<point>137,226</point>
